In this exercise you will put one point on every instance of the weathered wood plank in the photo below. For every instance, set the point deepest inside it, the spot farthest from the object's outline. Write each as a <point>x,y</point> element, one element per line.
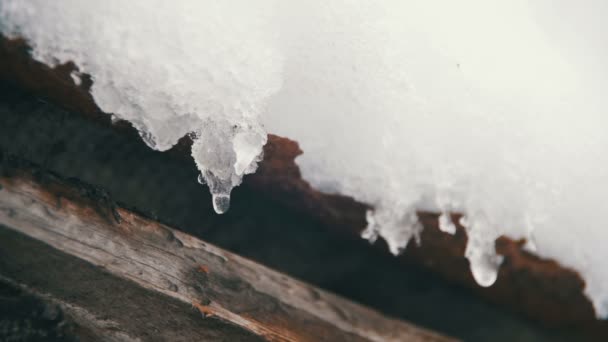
<point>83,222</point>
<point>62,298</point>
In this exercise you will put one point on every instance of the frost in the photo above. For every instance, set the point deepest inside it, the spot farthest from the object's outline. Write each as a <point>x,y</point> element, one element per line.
<point>490,108</point>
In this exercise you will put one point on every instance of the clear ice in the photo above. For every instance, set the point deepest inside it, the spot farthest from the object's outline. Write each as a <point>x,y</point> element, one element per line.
<point>170,69</point>
<point>493,109</point>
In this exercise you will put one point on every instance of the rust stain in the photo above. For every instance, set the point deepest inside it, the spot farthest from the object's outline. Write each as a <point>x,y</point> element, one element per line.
<point>203,269</point>
<point>205,310</point>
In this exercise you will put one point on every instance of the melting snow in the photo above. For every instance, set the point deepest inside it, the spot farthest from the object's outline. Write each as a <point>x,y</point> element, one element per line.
<point>490,108</point>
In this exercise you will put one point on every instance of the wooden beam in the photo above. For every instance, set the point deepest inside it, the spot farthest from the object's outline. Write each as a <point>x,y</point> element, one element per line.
<point>81,222</point>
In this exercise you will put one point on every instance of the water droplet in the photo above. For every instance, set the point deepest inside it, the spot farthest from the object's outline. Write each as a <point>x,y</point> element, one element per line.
<point>485,277</point>
<point>221,203</point>
<point>201,179</point>
<point>530,245</point>
<point>485,268</point>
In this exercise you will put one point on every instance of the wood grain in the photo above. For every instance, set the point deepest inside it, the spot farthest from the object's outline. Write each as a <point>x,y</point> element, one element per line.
<point>83,222</point>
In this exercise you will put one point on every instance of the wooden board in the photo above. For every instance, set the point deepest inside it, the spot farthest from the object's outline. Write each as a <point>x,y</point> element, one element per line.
<point>169,273</point>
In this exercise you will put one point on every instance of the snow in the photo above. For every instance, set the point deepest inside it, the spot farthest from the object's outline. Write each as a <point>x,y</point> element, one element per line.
<point>491,108</point>
<point>169,68</point>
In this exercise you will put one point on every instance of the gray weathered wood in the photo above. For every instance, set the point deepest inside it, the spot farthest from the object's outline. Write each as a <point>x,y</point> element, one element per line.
<point>82,222</point>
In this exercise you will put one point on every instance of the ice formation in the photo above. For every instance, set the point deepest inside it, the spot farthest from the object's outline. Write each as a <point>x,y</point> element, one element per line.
<point>487,107</point>
<point>170,68</point>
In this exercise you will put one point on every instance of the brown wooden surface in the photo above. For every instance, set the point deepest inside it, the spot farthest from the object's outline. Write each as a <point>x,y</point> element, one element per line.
<point>57,297</point>
<point>81,222</point>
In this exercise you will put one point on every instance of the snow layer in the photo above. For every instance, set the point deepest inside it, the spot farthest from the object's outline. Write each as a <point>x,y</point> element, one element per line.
<point>490,108</point>
<point>170,68</point>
